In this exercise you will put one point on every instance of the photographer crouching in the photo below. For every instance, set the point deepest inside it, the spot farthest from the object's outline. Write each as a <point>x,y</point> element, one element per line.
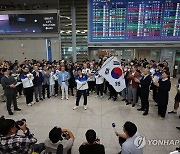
<point>12,143</point>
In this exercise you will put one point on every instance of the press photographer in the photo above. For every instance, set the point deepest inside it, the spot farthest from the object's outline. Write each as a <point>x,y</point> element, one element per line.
<point>92,146</point>
<point>12,143</point>
<point>58,136</point>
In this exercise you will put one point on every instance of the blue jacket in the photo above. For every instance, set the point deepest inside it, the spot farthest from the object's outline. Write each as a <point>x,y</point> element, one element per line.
<point>37,80</point>
<point>64,75</point>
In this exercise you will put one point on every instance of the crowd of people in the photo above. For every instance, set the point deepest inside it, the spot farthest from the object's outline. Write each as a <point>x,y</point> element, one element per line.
<point>42,79</point>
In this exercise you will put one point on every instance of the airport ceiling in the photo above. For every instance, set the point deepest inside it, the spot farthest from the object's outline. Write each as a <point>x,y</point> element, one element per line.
<point>28,4</point>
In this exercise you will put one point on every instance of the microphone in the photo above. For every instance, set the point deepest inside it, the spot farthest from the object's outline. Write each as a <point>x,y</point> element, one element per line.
<point>114,126</point>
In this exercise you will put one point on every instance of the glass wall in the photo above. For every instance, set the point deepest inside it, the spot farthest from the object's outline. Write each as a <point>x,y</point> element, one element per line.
<point>66,29</point>
<point>81,29</point>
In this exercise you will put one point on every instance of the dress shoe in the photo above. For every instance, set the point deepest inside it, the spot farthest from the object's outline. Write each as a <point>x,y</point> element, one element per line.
<point>133,105</point>
<point>178,128</point>
<point>10,113</point>
<point>114,99</point>
<point>156,105</point>
<point>145,113</point>
<point>128,103</point>
<point>140,109</point>
<point>41,99</point>
<point>109,98</point>
<point>123,99</point>
<point>17,109</point>
<point>172,112</point>
<point>37,100</point>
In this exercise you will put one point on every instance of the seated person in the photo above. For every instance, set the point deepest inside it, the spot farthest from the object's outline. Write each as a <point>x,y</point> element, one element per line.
<point>92,146</point>
<point>126,139</point>
<point>12,143</point>
<point>59,136</point>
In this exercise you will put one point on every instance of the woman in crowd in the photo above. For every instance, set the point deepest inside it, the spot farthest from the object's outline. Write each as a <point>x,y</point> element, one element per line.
<point>164,86</point>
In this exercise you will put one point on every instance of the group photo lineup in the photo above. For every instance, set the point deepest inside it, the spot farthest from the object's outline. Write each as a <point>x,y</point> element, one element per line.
<point>90,77</point>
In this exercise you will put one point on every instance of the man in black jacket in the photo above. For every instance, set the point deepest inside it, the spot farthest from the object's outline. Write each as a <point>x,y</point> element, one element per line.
<point>92,146</point>
<point>8,83</point>
<point>38,80</point>
<point>144,90</point>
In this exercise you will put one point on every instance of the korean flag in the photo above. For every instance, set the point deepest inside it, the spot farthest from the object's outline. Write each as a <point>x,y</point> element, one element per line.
<point>111,70</point>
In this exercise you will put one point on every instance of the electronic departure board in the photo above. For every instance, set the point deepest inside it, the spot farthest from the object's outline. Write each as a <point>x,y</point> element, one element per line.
<point>134,20</point>
<point>28,23</point>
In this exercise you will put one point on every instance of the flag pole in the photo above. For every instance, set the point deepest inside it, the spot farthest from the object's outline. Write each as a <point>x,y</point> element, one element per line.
<point>100,69</point>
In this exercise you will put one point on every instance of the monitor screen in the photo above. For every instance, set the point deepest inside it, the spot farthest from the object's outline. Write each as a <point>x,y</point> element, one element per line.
<point>28,23</point>
<point>134,20</point>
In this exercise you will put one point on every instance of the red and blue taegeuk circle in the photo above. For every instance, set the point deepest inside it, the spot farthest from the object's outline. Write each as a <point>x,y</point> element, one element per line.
<point>116,73</point>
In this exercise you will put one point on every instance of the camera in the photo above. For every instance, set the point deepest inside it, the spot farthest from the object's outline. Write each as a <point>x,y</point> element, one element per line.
<point>20,123</point>
<point>65,135</point>
<point>97,141</point>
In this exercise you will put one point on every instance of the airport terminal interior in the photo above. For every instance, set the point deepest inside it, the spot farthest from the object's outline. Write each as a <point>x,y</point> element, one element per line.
<point>123,56</point>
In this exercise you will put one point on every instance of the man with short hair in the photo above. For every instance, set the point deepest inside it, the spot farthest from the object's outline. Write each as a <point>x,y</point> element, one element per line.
<point>82,86</point>
<point>144,90</point>
<point>38,81</point>
<point>58,136</point>
<point>63,78</point>
<point>92,146</point>
<point>132,85</point>
<point>127,139</point>
<point>45,86</point>
<point>12,143</point>
<point>9,86</point>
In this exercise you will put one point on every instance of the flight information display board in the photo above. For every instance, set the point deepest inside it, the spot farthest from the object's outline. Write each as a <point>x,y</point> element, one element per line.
<point>28,23</point>
<point>134,20</point>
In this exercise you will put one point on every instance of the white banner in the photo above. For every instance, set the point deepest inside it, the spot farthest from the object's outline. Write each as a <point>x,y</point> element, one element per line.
<point>111,70</point>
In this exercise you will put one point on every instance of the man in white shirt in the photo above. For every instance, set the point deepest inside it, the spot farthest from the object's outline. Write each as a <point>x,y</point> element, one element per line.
<point>127,139</point>
<point>99,83</point>
<point>82,86</point>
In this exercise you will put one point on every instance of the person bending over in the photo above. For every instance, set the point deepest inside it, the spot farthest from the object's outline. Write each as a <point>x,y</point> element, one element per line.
<point>12,143</point>
<point>92,146</point>
<point>58,136</point>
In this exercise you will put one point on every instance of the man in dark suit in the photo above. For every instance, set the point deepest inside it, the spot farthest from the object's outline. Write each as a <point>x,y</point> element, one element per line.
<point>145,83</point>
<point>8,83</point>
<point>38,81</point>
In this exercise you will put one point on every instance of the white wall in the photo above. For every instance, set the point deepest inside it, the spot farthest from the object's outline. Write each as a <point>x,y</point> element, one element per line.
<point>20,49</point>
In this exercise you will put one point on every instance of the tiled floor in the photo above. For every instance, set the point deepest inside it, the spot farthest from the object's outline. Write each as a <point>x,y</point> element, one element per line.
<point>100,114</point>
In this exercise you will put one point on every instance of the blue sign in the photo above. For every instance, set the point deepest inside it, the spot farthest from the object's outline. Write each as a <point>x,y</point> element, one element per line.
<point>48,50</point>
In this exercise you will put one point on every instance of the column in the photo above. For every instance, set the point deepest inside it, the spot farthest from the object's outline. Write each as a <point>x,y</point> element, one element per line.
<point>73,15</point>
